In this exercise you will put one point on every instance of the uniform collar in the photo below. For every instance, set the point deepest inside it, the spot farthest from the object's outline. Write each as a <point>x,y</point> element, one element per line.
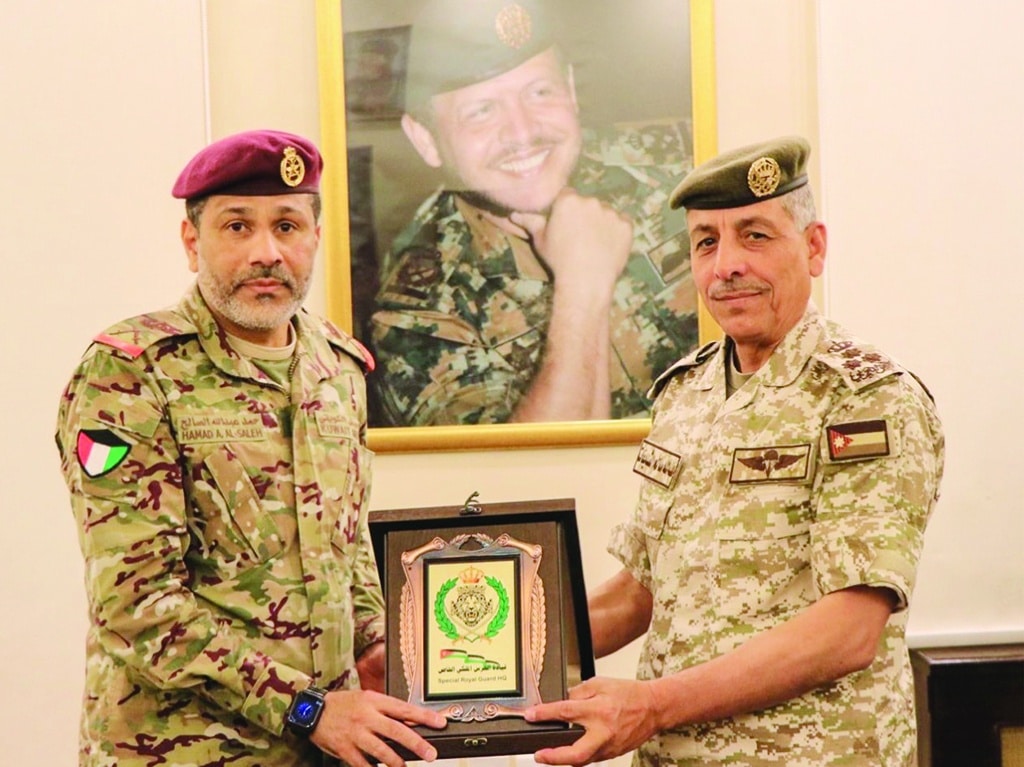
<point>310,345</point>
<point>790,357</point>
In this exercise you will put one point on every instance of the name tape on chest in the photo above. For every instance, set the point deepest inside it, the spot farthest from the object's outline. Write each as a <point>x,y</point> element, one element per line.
<point>220,427</point>
<point>657,464</point>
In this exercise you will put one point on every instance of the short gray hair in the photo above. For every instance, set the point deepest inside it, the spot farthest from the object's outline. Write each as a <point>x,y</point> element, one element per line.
<point>799,204</point>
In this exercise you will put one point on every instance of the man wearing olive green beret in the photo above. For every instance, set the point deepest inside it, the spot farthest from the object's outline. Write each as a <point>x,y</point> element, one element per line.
<point>542,281</point>
<point>787,481</point>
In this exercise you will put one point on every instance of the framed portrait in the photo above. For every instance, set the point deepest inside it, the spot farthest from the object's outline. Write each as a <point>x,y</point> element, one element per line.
<point>486,615</point>
<point>472,147</point>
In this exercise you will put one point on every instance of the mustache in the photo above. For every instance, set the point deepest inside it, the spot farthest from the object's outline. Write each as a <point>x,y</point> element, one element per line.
<point>266,272</point>
<point>275,272</point>
<point>728,287</point>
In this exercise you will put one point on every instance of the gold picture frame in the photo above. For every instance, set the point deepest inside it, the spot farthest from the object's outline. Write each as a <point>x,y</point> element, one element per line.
<point>338,242</point>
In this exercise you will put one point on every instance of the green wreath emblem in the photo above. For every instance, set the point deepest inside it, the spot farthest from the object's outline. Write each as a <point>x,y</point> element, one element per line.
<point>440,614</point>
<point>448,628</point>
<point>498,621</point>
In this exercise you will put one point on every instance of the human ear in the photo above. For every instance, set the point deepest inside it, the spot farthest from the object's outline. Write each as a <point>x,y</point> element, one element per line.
<point>422,140</point>
<point>190,239</point>
<point>817,243</point>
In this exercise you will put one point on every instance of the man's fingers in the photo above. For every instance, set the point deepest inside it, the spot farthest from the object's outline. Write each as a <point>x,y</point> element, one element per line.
<point>403,711</point>
<point>532,223</point>
<point>560,711</point>
<point>579,753</point>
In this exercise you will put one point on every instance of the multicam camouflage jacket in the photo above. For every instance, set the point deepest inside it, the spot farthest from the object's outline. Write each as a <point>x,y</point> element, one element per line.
<point>463,310</point>
<point>817,474</point>
<point>222,520</point>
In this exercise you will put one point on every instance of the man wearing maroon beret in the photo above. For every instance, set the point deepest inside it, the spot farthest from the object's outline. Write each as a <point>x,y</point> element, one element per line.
<point>216,461</point>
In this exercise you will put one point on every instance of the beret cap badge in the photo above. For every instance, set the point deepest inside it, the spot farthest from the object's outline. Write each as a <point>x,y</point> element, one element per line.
<point>745,175</point>
<point>764,176</point>
<point>293,169</point>
<point>514,26</point>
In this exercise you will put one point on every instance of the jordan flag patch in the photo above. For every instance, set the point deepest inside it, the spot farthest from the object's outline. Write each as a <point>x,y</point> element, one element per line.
<point>100,451</point>
<point>860,439</point>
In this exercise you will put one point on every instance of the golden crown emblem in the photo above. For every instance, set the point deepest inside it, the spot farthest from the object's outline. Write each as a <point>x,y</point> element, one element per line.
<point>471,575</point>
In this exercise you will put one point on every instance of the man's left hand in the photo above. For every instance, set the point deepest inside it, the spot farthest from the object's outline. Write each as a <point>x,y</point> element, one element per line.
<point>618,715</point>
<point>371,667</point>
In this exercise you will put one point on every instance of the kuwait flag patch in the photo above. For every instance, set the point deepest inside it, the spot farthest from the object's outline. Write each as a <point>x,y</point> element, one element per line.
<point>860,439</point>
<point>100,451</point>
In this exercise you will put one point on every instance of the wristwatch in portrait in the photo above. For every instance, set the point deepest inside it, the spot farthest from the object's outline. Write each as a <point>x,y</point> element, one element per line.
<point>304,713</point>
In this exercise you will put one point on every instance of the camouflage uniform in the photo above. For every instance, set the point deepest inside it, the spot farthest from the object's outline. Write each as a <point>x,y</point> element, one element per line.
<point>819,473</point>
<point>462,314</point>
<point>227,559</point>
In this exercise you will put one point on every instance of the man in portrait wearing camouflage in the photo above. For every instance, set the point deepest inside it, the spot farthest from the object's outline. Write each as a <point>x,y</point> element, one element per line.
<point>216,462</point>
<point>788,478</point>
<point>540,283</point>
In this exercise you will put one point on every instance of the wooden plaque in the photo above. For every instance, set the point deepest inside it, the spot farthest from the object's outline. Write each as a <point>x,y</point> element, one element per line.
<point>486,615</point>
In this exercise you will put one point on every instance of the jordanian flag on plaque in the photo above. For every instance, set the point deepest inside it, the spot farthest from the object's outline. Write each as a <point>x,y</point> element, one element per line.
<point>100,451</point>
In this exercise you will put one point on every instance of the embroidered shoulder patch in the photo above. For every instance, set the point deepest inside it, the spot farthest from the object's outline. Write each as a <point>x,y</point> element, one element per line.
<point>858,439</point>
<point>100,451</point>
<point>657,464</point>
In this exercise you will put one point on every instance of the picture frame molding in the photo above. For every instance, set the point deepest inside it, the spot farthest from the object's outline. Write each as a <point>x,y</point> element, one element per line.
<point>336,247</point>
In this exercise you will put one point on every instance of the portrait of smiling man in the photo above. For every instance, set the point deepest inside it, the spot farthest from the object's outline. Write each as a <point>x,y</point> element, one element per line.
<point>541,282</point>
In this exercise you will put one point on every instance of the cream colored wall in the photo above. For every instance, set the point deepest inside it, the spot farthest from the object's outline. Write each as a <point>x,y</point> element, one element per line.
<point>920,114</point>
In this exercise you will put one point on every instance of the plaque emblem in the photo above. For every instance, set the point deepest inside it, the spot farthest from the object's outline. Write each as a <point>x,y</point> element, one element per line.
<point>293,169</point>
<point>514,26</point>
<point>764,176</point>
<point>477,598</point>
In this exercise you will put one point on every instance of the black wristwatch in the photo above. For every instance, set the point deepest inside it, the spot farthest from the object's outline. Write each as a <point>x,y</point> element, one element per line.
<point>305,711</point>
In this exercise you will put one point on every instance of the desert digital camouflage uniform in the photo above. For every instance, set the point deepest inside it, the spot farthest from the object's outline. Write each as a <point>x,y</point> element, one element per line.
<point>227,560</point>
<point>463,310</point>
<point>817,474</point>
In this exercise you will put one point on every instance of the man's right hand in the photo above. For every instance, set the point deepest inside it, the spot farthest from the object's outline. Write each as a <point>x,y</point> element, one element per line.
<point>355,724</point>
<point>586,244</point>
<point>584,241</point>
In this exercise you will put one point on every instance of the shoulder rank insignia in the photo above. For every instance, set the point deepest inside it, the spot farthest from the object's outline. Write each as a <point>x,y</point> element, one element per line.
<point>368,359</point>
<point>134,336</point>
<point>859,366</point>
<point>348,344</point>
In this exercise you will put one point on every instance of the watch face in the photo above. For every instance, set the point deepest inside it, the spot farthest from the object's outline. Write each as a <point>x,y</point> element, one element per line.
<point>305,711</point>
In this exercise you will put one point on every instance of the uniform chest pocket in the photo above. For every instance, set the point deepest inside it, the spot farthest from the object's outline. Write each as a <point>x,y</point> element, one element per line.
<point>229,522</point>
<point>653,508</point>
<point>765,511</point>
<point>763,544</point>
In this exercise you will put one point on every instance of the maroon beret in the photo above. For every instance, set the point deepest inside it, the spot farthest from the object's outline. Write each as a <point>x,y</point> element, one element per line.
<point>260,162</point>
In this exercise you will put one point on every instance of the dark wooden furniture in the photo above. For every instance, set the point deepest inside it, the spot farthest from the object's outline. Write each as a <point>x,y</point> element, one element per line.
<point>965,696</point>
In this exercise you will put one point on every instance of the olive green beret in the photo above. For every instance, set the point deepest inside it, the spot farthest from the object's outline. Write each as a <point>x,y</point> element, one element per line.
<point>454,43</point>
<point>746,175</point>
